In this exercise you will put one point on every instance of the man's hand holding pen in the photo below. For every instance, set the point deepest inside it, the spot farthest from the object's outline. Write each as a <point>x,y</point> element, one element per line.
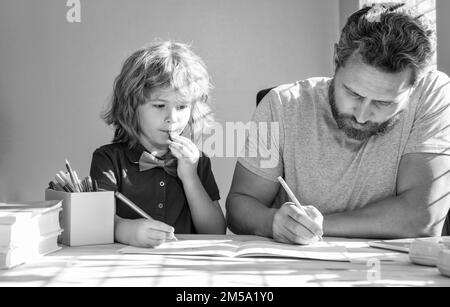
<point>294,223</point>
<point>291,225</point>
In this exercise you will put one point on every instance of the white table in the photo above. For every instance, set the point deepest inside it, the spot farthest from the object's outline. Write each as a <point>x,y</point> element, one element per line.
<point>103,265</point>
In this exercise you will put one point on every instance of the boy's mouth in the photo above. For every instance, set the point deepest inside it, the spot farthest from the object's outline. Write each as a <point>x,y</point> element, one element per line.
<point>171,133</point>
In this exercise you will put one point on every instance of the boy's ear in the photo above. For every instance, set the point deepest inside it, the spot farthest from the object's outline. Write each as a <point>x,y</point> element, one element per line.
<point>335,57</point>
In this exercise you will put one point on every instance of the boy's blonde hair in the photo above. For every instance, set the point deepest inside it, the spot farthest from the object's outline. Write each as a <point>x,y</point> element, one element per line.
<point>159,65</point>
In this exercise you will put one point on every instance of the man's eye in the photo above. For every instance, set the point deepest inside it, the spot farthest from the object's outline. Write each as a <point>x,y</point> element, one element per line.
<point>355,95</point>
<point>158,106</point>
<point>383,103</point>
<point>182,107</point>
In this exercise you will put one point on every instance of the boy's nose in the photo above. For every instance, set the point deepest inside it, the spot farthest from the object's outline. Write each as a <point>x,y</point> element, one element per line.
<point>171,115</point>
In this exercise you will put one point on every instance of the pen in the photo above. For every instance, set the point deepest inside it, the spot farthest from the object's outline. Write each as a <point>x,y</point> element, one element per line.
<point>292,197</point>
<point>60,178</point>
<point>65,179</point>
<point>52,186</point>
<point>134,207</point>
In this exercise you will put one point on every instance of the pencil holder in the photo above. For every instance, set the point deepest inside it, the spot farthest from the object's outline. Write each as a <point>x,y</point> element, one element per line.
<point>87,218</point>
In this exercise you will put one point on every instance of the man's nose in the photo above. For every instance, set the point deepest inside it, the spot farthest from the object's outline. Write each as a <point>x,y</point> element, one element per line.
<point>362,111</point>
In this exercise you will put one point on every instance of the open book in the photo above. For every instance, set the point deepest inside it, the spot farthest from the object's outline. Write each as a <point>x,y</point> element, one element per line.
<point>254,248</point>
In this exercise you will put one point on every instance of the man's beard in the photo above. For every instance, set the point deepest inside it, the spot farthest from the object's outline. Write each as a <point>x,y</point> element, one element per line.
<point>347,122</point>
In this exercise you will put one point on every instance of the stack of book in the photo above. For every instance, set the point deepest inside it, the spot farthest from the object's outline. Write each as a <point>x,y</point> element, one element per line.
<point>28,230</point>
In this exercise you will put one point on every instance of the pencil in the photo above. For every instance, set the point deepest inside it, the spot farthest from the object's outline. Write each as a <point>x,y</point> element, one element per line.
<point>292,197</point>
<point>72,177</point>
<point>291,194</point>
<point>130,204</point>
<point>80,186</point>
<point>134,207</point>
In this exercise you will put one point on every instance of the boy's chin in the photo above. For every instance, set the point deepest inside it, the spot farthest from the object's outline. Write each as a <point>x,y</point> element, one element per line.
<point>163,146</point>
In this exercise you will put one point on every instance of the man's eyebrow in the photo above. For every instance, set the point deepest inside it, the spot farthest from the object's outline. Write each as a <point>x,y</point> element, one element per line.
<point>375,100</point>
<point>352,91</point>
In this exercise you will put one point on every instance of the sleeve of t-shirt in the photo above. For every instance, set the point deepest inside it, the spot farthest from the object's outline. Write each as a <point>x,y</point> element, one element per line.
<point>262,152</point>
<point>207,177</point>
<point>431,128</point>
<point>103,171</point>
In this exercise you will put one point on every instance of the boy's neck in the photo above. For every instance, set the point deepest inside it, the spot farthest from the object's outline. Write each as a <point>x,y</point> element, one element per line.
<point>155,151</point>
<point>158,153</point>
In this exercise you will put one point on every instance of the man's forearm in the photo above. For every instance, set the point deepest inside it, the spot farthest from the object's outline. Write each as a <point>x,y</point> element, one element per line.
<point>249,216</point>
<point>392,217</point>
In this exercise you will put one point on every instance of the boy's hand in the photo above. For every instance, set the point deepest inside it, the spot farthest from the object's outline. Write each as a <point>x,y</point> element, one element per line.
<point>149,233</point>
<point>290,225</point>
<point>187,154</point>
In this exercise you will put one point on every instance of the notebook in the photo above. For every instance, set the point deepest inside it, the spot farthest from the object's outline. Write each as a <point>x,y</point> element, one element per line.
<point>231,248</point>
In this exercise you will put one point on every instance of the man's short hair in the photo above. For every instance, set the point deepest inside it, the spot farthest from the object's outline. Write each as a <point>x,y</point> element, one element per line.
<point>389,37</point>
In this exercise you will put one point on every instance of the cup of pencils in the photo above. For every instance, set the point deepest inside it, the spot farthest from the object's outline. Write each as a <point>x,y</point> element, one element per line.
<point>68,181</point>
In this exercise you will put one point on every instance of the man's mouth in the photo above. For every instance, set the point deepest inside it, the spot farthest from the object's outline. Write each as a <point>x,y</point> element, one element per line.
<point>357,125</point>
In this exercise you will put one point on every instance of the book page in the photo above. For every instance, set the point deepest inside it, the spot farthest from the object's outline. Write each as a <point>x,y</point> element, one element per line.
<point>320,251</point>
<point>37,207</point>
<point>232,248</point>
<point>226,248</point>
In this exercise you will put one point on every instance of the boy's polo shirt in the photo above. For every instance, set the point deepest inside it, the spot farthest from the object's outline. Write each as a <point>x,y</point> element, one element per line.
<point>115,167</point>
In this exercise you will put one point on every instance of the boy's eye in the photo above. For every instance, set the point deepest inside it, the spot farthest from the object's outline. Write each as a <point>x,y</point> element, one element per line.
<point>158,106</point>
<point>182,107</point>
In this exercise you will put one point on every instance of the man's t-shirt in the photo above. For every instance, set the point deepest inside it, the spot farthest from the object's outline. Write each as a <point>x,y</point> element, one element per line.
<point>324,167</point>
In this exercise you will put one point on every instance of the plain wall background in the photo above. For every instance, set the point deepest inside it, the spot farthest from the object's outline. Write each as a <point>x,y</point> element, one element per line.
<point>55,76</point>
<point>443,35</point>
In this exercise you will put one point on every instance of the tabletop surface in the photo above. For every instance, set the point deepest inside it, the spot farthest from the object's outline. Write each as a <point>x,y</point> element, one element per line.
<point>103,265</point>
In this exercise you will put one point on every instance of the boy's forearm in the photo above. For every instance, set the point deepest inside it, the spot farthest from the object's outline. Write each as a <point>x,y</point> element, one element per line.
<point>207,217</point>
<point>246,215</point>
<point>122,230</point>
